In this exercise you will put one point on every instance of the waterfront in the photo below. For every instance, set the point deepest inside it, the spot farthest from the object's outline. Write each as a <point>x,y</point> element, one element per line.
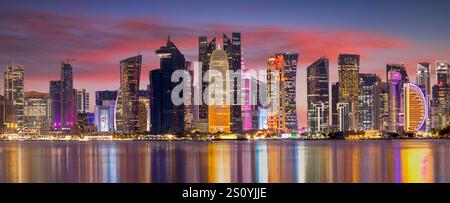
<point>226,161</point>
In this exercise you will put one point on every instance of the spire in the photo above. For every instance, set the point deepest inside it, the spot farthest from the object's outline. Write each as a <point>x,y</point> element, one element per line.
<point>168,38</point>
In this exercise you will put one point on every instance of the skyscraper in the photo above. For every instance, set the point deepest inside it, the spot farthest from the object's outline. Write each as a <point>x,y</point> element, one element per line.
<point>219,111</point>
<point>415,107</point>
<point>204,53</point>
<point>441,95</point>
<point>384,107</point>
<point>14,89</point>
<point>334,102</point>
<point>233,49</point>
<point>82,101</point>
<point>127,108</point>
<point>423,81</point>
<point>395,85</point>
<point>68,97</point>
<point>348,67</point>
<point>281,75</point>
<point>55,97</point>
<point>368,99</point>
<point>100,96</point>
<point>171,117</point>
<point>318,95</point>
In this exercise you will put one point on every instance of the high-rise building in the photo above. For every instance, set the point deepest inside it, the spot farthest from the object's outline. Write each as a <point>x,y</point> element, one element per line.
<point>55,97</point>
<point>14,89</point>
<point>127,107</point>
<point>233,49</point>
<point>82,101</point>
<point>219,111</point>
<point>166,117</point>
<point>348,67</point>
<point>334,102</point>
<point>368,99</point>
<point>440,105</point>
<point>8,121</point>
<point>442,72</point>
<point>104,115</point>
<point>318,95</point>
<point>204,53</point>
<point>143,118</point>
<point>384,106</point>
<point>415,108</point>
<point>37,109</point>
<point>395,86</point>
<point>281,75</point>
<point>68,98</point>
<point>423,81</point>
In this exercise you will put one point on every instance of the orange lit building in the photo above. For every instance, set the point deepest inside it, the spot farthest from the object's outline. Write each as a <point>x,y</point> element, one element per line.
<point>415,107</point>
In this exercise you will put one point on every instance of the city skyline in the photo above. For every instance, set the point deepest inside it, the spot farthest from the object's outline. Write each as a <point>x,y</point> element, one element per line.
<point>61,35</point>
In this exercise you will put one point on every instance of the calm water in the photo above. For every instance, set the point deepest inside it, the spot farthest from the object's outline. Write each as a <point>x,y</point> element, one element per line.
<point>226,161</point>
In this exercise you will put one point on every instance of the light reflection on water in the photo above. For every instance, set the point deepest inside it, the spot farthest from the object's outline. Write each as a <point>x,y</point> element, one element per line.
<point>226,161</point>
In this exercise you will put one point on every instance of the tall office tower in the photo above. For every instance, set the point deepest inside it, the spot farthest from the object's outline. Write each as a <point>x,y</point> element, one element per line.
<point>334,102</point>
<point>204,53</point>
<point>344,110</point>
<point>281,74</point>
<point>14,90</point>
<point>166,116</point>
<point>56,99</point>
<point>219,111</point>
<point>100,96</point>
<point>368,99</point>
<point>68,97</point>
<point>440,105</point>
<point>384,108</point>
<point>8,121</point>
<point>259,110</point>
<point>37,108</point>
<point>318,95</point>
<point>82,101</point>
<point>348,67</point>
<point>127,108</point>
<point>143,119</point>
<point>395,85</point>
<point>233,49</point>
<point>442,72</point>
<point>423,81</point>
<point>415,108</point>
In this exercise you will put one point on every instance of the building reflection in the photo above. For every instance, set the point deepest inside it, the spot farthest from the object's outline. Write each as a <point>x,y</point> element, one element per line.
<point>226,161</point>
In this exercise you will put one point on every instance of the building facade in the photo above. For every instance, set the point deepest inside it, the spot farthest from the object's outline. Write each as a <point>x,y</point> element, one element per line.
<point>14,90</point>
<point>82,101</point>
<point>368,99</point>
<point>318,95</point>
<point>348,68</point>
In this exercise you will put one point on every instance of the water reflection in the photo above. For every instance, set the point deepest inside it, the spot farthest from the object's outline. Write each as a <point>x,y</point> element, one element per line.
<point>226,161</point>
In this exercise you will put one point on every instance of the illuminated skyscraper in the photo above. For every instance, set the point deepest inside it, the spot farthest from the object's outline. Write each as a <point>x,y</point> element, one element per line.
<point>415,107</point>
<point>384,107</point>
<point>204,53</point>
<point>395,100</point>
<point>166,117</point>
<point>82,101</point>
<point>348,67</point>
<point>55,97</point>
<point>127,107</point>
<point>68,98</point>
<point>318,95</point>
<point>14,89</point>
<point>219,114</point>
<point>233,49</point>
<point>343,109</point>
<point>100,96</point>
<point>368,99</point>
<point>423,81</point>
<point>281,74</point>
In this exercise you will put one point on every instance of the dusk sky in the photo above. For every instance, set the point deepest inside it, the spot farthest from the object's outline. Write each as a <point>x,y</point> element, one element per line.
<point>98,34</point>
